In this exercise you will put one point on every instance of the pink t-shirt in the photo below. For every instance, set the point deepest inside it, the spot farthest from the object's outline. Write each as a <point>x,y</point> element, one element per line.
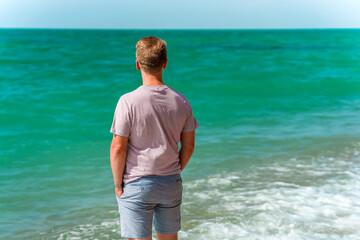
<point>153,117</point>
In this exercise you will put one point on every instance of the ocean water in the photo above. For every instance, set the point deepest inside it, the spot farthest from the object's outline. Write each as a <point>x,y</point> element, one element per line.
<point>277,151</point>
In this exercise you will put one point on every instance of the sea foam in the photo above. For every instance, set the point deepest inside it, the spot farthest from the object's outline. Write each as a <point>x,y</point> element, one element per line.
<point>315,198</point>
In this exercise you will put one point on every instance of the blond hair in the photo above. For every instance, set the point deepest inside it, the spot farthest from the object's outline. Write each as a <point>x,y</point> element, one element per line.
<point>151,53</point>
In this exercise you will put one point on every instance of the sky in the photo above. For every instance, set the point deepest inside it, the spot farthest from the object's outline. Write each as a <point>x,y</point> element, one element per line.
<point>181,14</point>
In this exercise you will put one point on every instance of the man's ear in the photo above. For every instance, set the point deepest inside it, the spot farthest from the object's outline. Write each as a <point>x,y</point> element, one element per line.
<point>165,64</point>
<point>137,65</point>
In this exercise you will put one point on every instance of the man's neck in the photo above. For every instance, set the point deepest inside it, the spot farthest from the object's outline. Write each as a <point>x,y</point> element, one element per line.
<point>152,79</point>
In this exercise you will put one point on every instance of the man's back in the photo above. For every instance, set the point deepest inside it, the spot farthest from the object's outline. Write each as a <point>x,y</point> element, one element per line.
<point>153,117</point>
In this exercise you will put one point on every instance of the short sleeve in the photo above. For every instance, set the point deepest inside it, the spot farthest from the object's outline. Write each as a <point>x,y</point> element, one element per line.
<point>121,124</point>
<point>190,124</point>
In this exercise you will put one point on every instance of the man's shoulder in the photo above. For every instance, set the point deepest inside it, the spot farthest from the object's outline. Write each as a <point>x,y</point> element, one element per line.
<point>178,94</point>
<point>141,95</point>
<point>127,97</point>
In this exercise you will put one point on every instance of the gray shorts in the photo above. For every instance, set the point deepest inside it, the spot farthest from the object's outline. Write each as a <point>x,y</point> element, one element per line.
<point>151,199</point>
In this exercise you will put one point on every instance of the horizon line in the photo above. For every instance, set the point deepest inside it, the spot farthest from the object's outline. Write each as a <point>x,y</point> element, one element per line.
<point>174,29</point>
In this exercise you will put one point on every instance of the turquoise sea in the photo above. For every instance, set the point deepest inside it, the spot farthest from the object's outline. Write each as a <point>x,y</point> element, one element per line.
<point>277,151</point>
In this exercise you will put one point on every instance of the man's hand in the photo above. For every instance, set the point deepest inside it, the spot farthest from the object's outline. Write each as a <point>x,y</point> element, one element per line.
<point>119,191</point>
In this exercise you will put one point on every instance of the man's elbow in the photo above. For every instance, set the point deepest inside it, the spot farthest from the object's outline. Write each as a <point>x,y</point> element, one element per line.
<point>118,148</point>
<point>119,144</point>
<point>190,148</point>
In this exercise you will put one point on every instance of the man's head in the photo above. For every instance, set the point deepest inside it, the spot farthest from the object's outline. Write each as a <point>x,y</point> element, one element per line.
<point>151,54</point>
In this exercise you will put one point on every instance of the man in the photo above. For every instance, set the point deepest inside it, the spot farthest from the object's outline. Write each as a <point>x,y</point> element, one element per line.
<point>148,124</point>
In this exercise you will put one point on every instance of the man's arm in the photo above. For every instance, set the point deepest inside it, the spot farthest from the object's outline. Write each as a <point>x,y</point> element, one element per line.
<point>187,140</point>
<point>117,160</point>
